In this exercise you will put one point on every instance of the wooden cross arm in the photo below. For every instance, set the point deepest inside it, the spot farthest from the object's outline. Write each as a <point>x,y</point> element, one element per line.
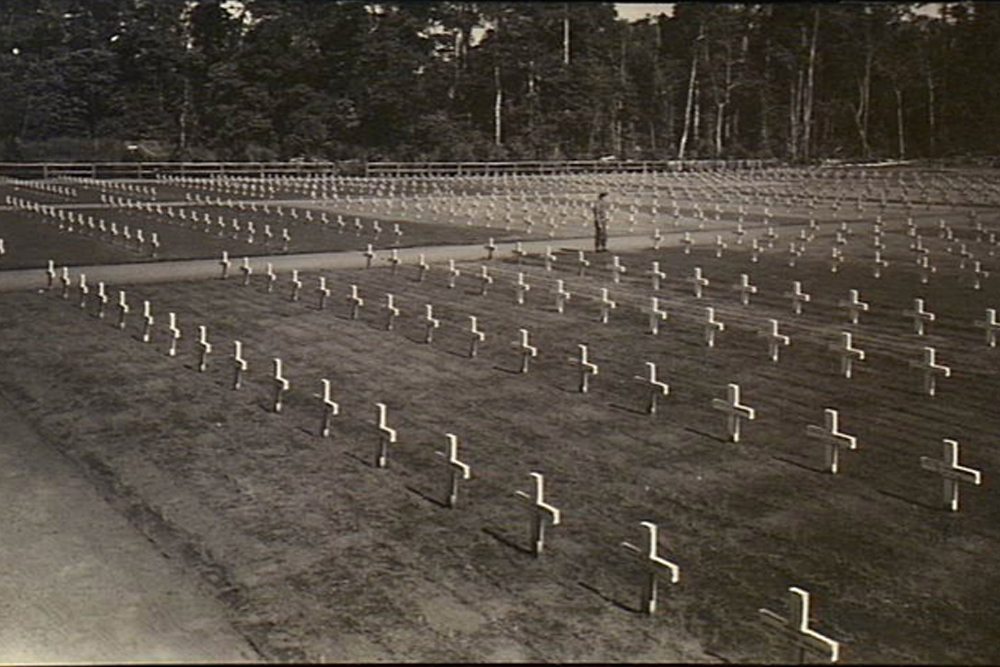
<point>464,470</point>
<point>969,475</point>
<point>821,433</point>
<point>389,432</point>
<point>283,382</point>
<point>804,637</point>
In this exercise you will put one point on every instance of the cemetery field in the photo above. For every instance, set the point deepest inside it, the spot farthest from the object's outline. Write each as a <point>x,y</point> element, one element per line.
<point>319,554</point>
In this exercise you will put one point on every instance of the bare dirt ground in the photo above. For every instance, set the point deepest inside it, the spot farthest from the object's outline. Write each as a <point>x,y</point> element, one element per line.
<point>319,555</point>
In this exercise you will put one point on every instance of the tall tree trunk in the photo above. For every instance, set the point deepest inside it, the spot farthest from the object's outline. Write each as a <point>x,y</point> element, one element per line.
<point>497,107</point>
<point>692,78</point>
<point>566,34</point>
<point>899,122</point>
<point>810,88</point>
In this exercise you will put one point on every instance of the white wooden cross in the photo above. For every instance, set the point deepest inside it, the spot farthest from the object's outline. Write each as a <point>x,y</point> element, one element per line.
<point>836,259</point>
<point>607,305</point>
<point>50,274</point>
<point>745,289</point>
<point>711,326</point>
<point>562,296</point>
<point>431,323</point>
<point>795,629</point>
<point>919,316</point>
<point>280,385</point>
<point>951,472</point>
<point>657,238</point>
<point>477,336</point>
<point>330,408</point>
<point>926,270</point>
<point>878,264</point>
<point>271,277</point>
<point>657,275</point>
<point>847,352</point>
<point>355,302</point>
<point>387,436</point>
<point>853,305</point>
<point>687,241</point>
<point>457,470</point>
<point>931,369</point>
<point>542,513</point>
<point>239,364</point>
<point>102,300</point>
<point>980,274</point>
<point>774,339</point>
<point>754,250</point>
<point>521,288</point>
<point>991,326</point>
<point>491,248</point>
<point>587,368</point>
<point>206,348</point>
<point>247,271</point>
<point>548,258</point>
<point>655,315</point>
<point>123,309</point>
<point>453,274</point>
<point>296,285</point>
<point>175,334</point>
<point>66,281</point>
<point>391,311</point>
<point>147,317</point>
<point>793,253</point>
<point>734,411</point>
<point>698,282</point>
<point>527,350</point>
<point>285,239</point>
<point>394,260</point>
<point>831,437</point>
<point>323,292</point>
<point>653,564</point>
<point>582,262</point>
<point>518,252</point>
<point>656,388</point>
<point>422,268</point>
<point>720,245</point>
<point>617,269</point>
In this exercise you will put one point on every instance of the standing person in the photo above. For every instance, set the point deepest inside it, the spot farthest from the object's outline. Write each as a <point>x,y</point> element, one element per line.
<point>602,213</point>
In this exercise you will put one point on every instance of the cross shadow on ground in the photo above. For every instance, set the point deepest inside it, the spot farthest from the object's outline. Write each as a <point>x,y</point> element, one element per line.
<point>503,539</point>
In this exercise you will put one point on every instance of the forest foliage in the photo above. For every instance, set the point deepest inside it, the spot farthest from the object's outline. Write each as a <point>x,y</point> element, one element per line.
<point>284,79</point>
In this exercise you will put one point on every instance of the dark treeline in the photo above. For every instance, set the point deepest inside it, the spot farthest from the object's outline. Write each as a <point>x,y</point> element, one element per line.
<point>269,79</point>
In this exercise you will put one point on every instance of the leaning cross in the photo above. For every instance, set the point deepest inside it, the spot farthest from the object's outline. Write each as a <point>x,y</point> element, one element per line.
<point>653,564</point>
<point>280,385</point>
<point>831,437</point>
<point>919,316</point>
<point>951,472</point>
<point>656,388</point>
<point>387,436</point>
<point>542,513</point>
<point>734,411</point>
<point>931,369</point>
<point>775,340</point>
<point>795,629</point>
<point>587,368</point>
<point>330,408</point>
<point>458,471</point>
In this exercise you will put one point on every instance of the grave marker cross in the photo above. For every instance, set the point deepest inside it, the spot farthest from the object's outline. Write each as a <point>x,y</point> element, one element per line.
<point>281,385</point>
<point>457,470</point>
<point>991,326</point>
<point>698,282</point>
<point>123,309</point>
<point>587,368</point>
<point>919,316</point>
<point>656,387</point>
<point>653,564</point>
<point>330,408</point>
<point>931,369</point>
<point>733,410</point>
<point>745,289</point>
<point>527,350</point>
<point>831,437</point>
<point>711,326</point>
<point>774,339</point>
<point>795,629</point>
<point>239,364</point>
<point>951,472</point>
<point>854,305</point>
<point>477,336</point>
<point>387,436</point>
<point>542,513</point>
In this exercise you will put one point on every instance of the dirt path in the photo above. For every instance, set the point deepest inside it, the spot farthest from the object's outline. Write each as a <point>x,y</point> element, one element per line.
<point>80,584</point>
<point>201,269</point>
